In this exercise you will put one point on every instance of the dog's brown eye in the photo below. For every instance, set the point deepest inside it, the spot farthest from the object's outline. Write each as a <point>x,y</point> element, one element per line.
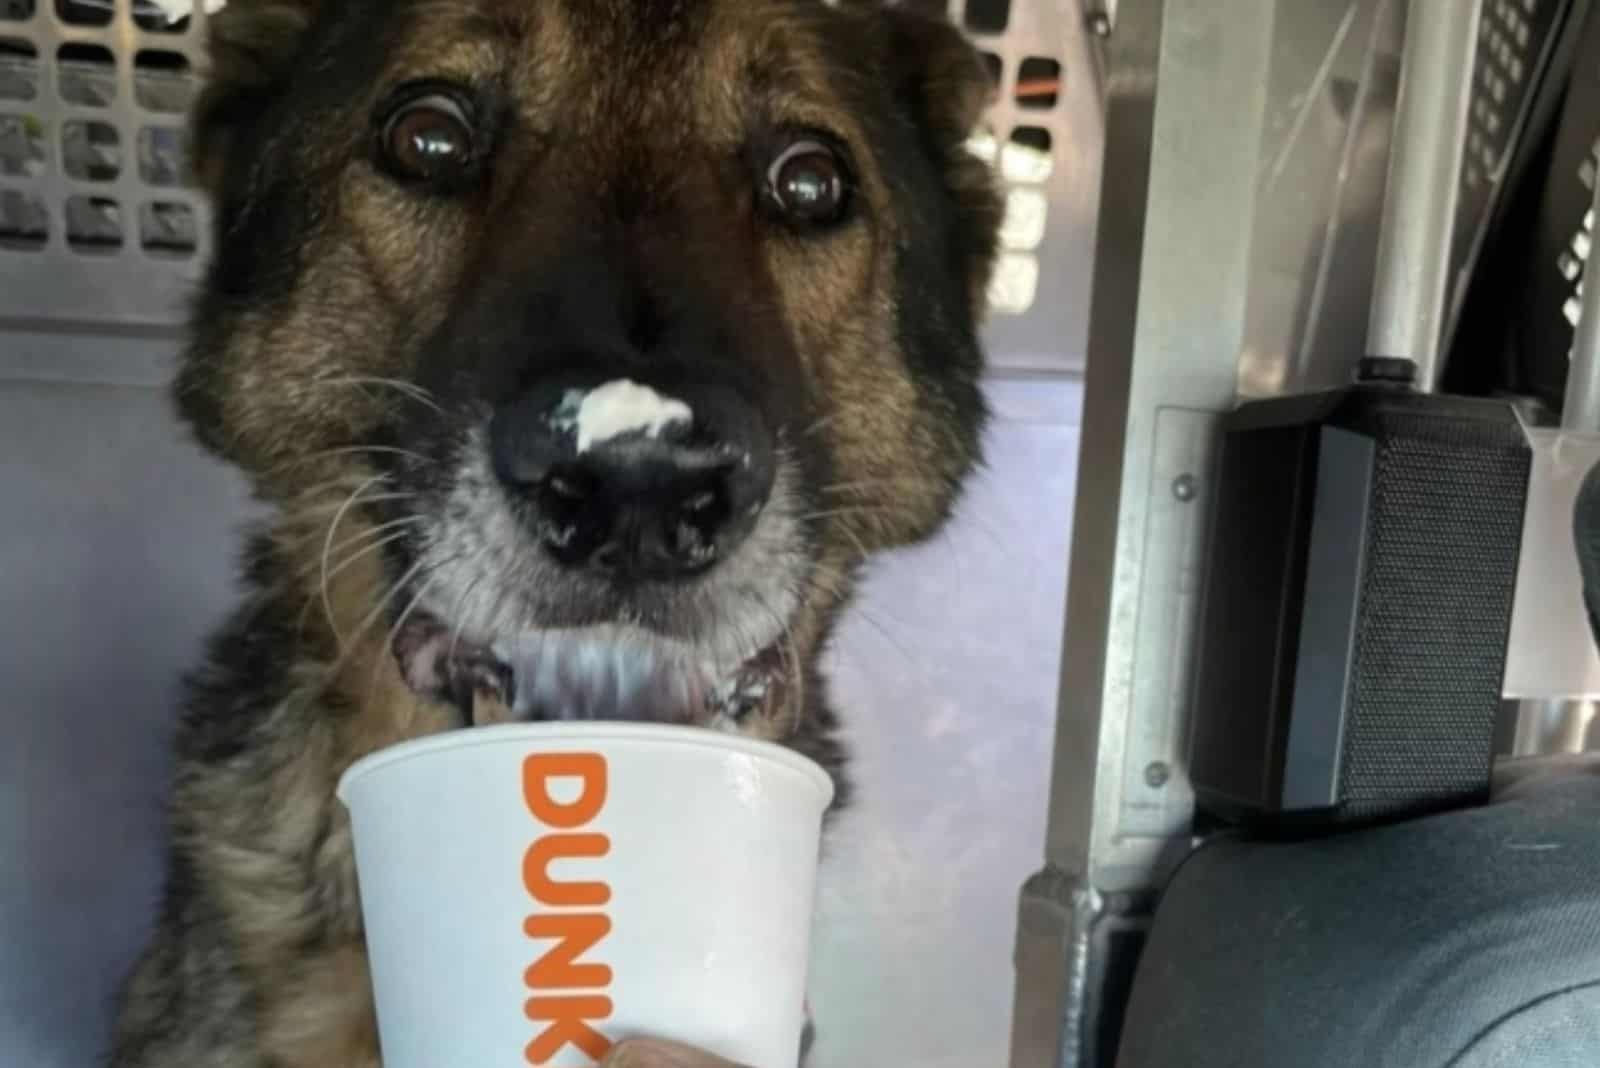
<point>809,184</point>
<point>430,139</point>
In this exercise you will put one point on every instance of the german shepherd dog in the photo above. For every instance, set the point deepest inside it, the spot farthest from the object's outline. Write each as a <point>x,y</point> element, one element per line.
<point>582,351</point>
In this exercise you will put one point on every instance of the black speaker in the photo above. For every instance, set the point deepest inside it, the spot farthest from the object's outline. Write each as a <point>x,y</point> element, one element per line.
<point>1357,603</point>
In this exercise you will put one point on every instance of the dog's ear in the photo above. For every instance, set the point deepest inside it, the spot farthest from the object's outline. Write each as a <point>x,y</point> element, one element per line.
<point>942,74</point>
<point>947,88</point>
<point>250,47</point>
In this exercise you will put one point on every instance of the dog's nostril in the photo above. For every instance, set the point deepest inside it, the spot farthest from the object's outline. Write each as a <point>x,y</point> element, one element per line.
<point>574,519</point>
<point>701,503</point>
<point>565,489</point>
<point>646,502</point>
<point>564,499</point>
<point>563,495</point>
<point>694,524</point>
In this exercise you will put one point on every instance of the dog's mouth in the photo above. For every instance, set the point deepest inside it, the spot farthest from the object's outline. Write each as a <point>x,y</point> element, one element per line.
<point>605,672</point>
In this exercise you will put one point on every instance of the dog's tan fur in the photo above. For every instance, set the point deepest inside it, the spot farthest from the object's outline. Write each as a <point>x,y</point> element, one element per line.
<point>305,345</point>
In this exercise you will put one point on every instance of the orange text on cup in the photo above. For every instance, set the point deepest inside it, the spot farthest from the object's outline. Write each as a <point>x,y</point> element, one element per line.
<point>568,996</point>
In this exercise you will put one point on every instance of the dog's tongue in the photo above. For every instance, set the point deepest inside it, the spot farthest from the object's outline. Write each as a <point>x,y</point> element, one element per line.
<point>572,675</point>
<point>557,675</point>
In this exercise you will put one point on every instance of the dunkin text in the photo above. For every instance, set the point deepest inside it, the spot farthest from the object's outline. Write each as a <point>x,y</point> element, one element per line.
<point>567,920</point>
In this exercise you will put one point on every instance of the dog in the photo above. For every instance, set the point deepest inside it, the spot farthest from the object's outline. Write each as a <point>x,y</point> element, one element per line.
<point>582,351</point>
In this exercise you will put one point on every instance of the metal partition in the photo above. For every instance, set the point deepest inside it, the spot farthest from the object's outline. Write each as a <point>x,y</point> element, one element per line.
<point>1248,165</point>
<point>1246,159</point>
<point>99,225</point>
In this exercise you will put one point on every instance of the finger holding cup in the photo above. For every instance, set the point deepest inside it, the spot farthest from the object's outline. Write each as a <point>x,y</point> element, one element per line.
<point>654,1054</point>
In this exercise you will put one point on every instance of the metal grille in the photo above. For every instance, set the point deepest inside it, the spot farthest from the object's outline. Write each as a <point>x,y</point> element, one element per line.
<point>1019,141</point>
<point>1038,57</point>
<point>1510,39</point>
<point>96,225</point>
<point>1571,260</point>
<point>1513,39</point>
<point>1020,135</point>
<point>1431,640</point>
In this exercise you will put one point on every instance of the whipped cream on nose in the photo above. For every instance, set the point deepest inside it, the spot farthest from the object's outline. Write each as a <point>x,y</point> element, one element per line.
<point>618,408</point>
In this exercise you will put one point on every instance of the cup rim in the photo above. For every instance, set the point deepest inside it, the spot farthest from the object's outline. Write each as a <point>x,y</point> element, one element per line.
<point>511,733</point>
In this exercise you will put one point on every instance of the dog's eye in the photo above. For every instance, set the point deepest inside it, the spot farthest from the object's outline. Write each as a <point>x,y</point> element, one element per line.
<point>430,138</point>
<point>809,184</point>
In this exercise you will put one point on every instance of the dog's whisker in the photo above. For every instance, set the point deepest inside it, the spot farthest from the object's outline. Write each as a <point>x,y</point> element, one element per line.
<point>343,565</point>
<point>334,488</point>
<point>841,582</point>
<point>408,390</point>
<point>973,520</point>
<point>311,459</point>
<point>887,517</point>
<point>334,505</point>
<point>363,546</point>
<point>797,671</point>
<point>858,610</point>
<point>867,484</point>
<point>817,427</point>
<point>352,646</point>
<point>327,549</point>
<point>882,511</point>
<point>357,539</point>
<point>295,546</point>
<point>831,583</point>
<point>343,478</point>
<point>789,656</point>
<point>375,450</point>
<point>333,491</point>
<point>855,538</point>
<point>459,611</point>
<point>498,605</point>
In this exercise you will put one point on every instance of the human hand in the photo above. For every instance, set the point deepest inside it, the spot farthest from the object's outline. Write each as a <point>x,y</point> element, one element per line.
<point>641,1053</point>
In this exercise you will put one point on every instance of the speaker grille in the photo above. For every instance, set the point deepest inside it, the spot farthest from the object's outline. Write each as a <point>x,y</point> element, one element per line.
<point>1439,582</point>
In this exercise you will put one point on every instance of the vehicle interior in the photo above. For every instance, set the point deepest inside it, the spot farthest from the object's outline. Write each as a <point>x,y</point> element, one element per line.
<point>1257,726</point>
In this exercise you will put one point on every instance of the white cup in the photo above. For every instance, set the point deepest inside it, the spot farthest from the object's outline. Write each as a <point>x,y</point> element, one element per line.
<point>534,893</point>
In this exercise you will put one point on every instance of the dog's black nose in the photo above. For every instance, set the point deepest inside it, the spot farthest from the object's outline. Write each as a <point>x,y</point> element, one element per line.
<point>636,484</point>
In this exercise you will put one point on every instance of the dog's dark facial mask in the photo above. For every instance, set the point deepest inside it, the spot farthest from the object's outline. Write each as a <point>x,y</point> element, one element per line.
<point>589,346</point>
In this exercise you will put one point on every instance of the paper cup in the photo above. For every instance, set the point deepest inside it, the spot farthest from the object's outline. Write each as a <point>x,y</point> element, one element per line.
<point>535,893</point>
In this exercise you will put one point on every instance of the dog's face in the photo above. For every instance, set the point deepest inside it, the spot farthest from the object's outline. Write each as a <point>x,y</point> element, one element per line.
<point>619,331</point>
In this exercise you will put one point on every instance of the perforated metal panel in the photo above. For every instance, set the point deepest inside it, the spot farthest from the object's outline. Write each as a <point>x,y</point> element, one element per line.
<point>1511,37</point>
<point>1514,39</point>
<point>96,225</point>
<point>1044,136</point>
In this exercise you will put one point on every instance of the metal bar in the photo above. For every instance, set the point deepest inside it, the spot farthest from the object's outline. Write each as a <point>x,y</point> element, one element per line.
<point>1419,214</point>
<point>1176,228</point>
<point>1581,410</point>
<point>1166,323</point>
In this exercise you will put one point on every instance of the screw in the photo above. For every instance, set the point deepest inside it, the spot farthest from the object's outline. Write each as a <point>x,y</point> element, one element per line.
<point>1185,488</point>
<point>1099,24</point>
<point>1157,775</point>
